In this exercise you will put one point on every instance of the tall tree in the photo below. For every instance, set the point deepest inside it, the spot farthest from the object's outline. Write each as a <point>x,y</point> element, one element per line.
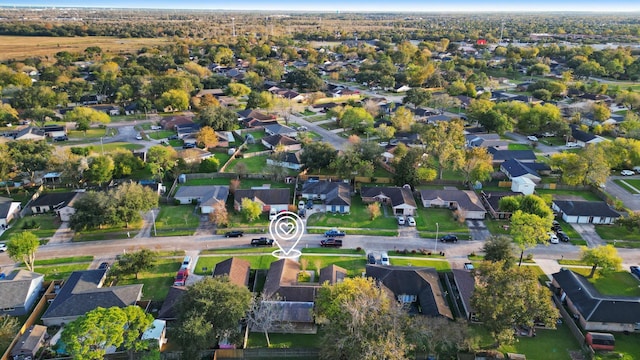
<point>250,209</point>
<point>133,263</point>
<point>505,297</point>
<point>605,256</point>
<point>446,141</point>
<point>218,117</point>
<point>317,155</point>
<point>209,310</point>
<point>130,199</point>
<point>529,230</point>
<point>417,97</point>
<point>7,166</point>
<point>30,156</point>
<point>499,249</point>
<point>478,165</point>
<point>219,216</point>
<point>402,119</point>
<point>357,118</point>
<point>8,329</point>
<point>84,117</point>
<point>22,246</point>
<point>265,314</point>
<point>207,137</point>
<point>100,170</point>
<point>93,210</point>
<point>174,100</point>
<point>160,160</point>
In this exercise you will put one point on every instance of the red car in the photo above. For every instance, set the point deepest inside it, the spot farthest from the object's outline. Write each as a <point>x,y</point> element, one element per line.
<point>181,277</point>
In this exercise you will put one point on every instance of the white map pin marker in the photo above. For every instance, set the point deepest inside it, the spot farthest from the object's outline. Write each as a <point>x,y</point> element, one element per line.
<point>286,229</point>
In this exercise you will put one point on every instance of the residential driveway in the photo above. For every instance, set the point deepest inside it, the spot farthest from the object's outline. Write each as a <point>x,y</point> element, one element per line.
<point>631,201</point>
<point>589,234</point>
<point>540,147</point>
<point>478,230</point>
<point>62,235</point>
<point>336,140</point>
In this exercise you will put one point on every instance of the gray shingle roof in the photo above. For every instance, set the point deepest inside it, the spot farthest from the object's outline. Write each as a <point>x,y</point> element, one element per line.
<point>279,129</point>
<point>336,192</point>
<point>275,140</point>
<point>81,293</point>
<point>14,289</point>
<point>467,200</point>
<point>594,306</point>
<point>515,168</point>
<point>424,283</point>
<point>168,309</point>
<point>397,195</point>
<point>502,155</point>
<point>266,196</point>
<point>585,208</point>
<point>206,194</point>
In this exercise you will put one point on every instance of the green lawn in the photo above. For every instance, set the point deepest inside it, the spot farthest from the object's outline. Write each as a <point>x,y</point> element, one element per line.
<point>254,164</point>
<point>238,221</point>
<point>257,147</point>
<point>629,185</point>
<point>239,250</point>
<point>222,157</point>
<point>358,218</point>
<point>616,232</point>
<point>627,348</point>
<point>64,260</point>
<point>91,133</point>
<point>513,146</point>
<point>547,344</point>
<point>354,265</point>
<point>620,283</point>
<point>117,145</point>
<point>161,134</point>
<point>437,264</point>
<point>330,125</point>
<point>60,272</point>
<point>316,118</point>
<point>157,280</point>
<point>586,195</point>
<point>46,226</point>
<point>176,220</point>
<point>427,218</point>
<point>109,233</point>
<point>376,232</point>
<point>257,340</point>
<point>244,183</point>
<point>322,250</point>
<point>256,261</point>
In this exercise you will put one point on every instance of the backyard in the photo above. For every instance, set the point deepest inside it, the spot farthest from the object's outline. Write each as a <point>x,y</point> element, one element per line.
<point>254,164</point>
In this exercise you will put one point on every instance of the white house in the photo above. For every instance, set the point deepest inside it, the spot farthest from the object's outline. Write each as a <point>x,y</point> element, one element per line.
<point>465,201</point>
<point>156,333</point>
<point>585,212</point>
<point>8,211</point>
<point>523,184</point>
<point>399,198</point>
<point>291,161</point>
<point>205,196</point>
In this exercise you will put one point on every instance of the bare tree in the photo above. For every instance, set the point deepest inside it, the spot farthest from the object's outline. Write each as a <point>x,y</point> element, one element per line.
<point>219,216</point>
<point>266,315</point>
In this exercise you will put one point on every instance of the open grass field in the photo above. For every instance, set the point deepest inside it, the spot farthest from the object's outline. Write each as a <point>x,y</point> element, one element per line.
<point>176,220</point>
<point>19,47</point>
<point>358,218</point>
<point>437,264</point>
<point>157,280</point>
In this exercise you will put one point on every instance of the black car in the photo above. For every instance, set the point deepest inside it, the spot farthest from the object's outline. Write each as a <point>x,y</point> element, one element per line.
<point>371,259</point>
<point>104,266</point>
<point>635,270</point>
<point>449,238</point>
<point>188,146</point>
<point>173,137</point>
<point>263,241</point>
<point>562,236</point>
<point>235,233</point>
<point>331,243</point>
<point>556,226</point>
<point>61,138</point>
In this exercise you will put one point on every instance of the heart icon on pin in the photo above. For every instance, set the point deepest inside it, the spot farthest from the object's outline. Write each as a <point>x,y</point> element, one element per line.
<point>286,230</point>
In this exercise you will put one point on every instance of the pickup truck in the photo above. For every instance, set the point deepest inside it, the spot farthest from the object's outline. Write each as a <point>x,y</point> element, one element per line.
<point>263,241</point>
<point>331,243</point>
<point>334,233</point>
<point>181,277</point>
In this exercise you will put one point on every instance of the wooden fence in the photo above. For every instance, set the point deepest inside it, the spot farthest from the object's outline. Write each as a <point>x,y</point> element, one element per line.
<point>223,354</point>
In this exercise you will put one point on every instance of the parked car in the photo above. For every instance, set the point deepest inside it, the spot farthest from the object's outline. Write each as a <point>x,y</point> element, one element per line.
<point>468,266</point>
<point>532,138</point>
<point>384,259</point>
<point>331,243</point>
<point>186,262</point>
<point>3,247</point>
<point>371,259</point>
<point>181,277</point>
<point>263,241</point>
<point>188,146</point>
<point>572,144</point>
<point>556,226</point>
<point>401,220</point>
<point>553,238</point>
<point>449,238</point>
<point>411,221</point>
<point>235,233</point>
<point>635,270</point>
<point>563,236</point>
<point>627,173</point>
<point>302,213</point>
<point>138,137</point>
<point>104,266</point>
<point>61,138</point>
<point>156,127</point>
<point>173,137</point>
<point>334,233</point>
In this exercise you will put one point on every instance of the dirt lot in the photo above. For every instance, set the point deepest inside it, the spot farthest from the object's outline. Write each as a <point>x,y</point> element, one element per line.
<point>19,47</point>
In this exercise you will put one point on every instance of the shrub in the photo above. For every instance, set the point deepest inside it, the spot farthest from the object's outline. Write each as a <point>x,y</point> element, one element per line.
<point>529,257</point>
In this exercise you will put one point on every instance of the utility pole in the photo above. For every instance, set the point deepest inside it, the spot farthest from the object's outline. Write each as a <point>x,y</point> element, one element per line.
<point>233,25</point>
<point>437,231</point>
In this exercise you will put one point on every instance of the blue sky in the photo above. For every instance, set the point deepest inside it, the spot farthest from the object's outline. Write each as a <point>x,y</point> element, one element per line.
<point>354,5</point>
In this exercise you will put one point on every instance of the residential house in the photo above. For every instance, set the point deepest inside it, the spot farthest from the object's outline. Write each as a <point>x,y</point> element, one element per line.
<point>250,114</point>
<point>401,88</point>
<point>29,133</point>
<point>514,168</point>
<point>290,160</point>
<point>593,310</point>
<point>83,292</point>
<point>486,141</point>
<point>583,138</point>
<point>524,185</point>
<point>464,100</point>
<point>585,212</point>
<point>417,288</point>
<point>168,310</point>
<point>29,343</point>
<point>228,101</point>
<point>194,155</point>
<point>8,211</point>
<point>236,269</point>
<point>399,198</point>
<point>275,141</point>
<point>421,114</point>
<point>294,301</point>
<point>156,333</point>
<point>499,156</point>
<point>111,110</point>
<point>466,202</point>
<point>19,291</point>
<point>65,212</point>
<point>278,199</point>
<point>278,129</point>
<point>52,178</point>
<point>171,122</point>
<point>54,131</point>
<point>54,202</point>
<point>212,92</point>
<point>465,284</point>
<point>185,130</point>
<point>335,195</point>
<point>206,196</point>
<point>441,117</point>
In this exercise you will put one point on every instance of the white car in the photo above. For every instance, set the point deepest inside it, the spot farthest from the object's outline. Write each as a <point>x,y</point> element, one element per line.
<point>411,221</point>
<point>401,220</point>
<point>553,238</point>
<point>627,173</point>
<point>156,127</point>
<point>138,137</point>
<point>384,259</point>
<point>572,144</point>
<point>532,138</point>
<point>3,247</point>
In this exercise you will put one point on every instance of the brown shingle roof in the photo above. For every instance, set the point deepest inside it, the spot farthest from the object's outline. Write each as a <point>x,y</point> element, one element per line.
<point>237,270</point>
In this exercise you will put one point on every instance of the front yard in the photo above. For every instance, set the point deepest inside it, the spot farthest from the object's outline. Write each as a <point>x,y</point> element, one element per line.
<point>255,261</point>
<point>43,226</point>
<point>156,280</point>
<point>108,233</point>
<point>427,218</point>
<point>619,235</point>
<point>177,220</point>
<point>619,283</point>
<point>357,218</point>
